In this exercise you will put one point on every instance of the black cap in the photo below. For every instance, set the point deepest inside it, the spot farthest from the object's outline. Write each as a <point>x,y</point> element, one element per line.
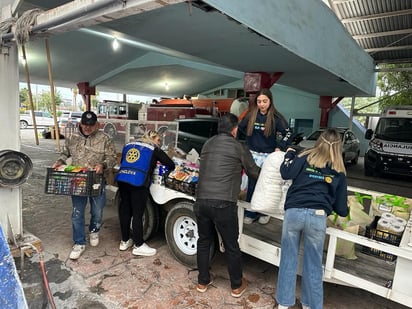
<point>89,118</point>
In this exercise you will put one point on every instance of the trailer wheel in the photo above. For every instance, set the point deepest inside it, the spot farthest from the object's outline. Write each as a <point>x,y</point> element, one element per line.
<point>150,217</point>
<point>181,234</point>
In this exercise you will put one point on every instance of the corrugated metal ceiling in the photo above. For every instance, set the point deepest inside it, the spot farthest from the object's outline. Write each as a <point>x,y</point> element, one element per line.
<point>382,27</point>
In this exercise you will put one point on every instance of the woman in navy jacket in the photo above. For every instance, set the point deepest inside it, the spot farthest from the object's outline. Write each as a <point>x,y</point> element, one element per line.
<point>319,187</point>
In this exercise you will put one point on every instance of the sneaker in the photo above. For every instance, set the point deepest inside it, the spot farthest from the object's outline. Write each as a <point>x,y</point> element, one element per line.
<point>77,251</point>
<point>94,239</point>
<point>124,245</point>
<point>144,250</point>
<point>240,290</point>
<point>264,219</point>
<point>203,287</point>
<point>248,220</point>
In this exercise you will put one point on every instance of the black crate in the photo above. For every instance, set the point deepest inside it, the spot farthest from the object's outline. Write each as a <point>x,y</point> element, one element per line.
<point>382,236</point>
<point>67,183</point>
<point>181,186</point>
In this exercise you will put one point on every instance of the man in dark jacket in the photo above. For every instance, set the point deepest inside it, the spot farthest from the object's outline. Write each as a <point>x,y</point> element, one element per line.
<point>221,162</point>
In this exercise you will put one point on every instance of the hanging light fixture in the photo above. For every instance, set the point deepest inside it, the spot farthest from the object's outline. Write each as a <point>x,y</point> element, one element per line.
<point>115,44</point>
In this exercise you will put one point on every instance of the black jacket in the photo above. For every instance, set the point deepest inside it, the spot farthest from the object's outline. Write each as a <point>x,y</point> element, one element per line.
<point>221,162</point>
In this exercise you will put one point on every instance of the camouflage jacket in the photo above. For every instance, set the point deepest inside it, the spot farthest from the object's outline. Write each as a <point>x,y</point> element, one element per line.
<point>88,151</point>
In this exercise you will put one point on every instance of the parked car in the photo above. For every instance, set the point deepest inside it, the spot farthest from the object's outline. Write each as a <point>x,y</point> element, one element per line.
<point>43,119</point>
<point>350,143</point>
<point>69,122</point>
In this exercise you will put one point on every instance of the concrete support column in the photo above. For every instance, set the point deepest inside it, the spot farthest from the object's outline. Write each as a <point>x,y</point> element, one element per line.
<point>10,198</point>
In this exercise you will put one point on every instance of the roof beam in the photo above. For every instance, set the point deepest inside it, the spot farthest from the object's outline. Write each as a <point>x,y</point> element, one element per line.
<point>389,48</point>
<point>83,13</point>
<point>376,16</point>
<point>380,34</point>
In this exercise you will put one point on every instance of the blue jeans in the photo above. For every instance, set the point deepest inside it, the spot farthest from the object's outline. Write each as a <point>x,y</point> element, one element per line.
<point>79,203</point>
<point>311,226</point>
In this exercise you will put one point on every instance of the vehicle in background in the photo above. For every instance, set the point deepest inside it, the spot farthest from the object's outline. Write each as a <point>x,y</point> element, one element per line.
<point>350,143</point>
<point>390,146</point>
<point>194,132</point>
<point>43,119</point>
<point>69,122</point>
<point>109,109</point>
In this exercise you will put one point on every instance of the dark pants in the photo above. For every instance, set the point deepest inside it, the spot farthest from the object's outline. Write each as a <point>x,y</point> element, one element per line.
<point>132,204</point>
<point>223,216</point>
<point>251,184</point>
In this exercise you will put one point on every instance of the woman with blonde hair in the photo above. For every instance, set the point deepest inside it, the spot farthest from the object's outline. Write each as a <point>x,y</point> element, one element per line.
<point>319,187</point>
<point>139,159</point>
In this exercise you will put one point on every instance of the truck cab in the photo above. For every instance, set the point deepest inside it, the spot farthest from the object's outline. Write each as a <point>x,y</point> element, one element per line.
<point>390,146</point>
<point>43,119</point>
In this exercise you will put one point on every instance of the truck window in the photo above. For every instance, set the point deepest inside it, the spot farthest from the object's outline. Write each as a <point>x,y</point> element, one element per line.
<point>398,129</point>
<point>122,110</point>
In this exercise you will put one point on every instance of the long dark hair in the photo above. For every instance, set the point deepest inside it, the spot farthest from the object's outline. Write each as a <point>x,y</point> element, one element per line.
<point>270,118</point>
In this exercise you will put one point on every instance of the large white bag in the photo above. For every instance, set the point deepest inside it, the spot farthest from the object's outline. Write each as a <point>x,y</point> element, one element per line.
<point>270,191</point>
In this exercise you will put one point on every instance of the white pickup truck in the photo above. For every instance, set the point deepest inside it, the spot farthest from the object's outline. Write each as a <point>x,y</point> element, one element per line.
<point>382,267</point>
<point>43,119</point>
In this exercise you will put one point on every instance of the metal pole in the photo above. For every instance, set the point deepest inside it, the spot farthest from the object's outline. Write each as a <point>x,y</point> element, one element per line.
<point>61,20</point>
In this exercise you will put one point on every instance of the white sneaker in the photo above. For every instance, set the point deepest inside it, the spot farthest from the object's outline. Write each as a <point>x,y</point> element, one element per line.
<point>144,250</point>
<point>124,245</point>
<point>248,220</point>
<point>77,251</point>
<point>94,239</point>
<point>264,219</point>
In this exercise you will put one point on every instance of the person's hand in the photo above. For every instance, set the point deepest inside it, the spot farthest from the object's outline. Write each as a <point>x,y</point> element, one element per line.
<point>290,149</point>
<point>99,168</point>
<point>57,164</point>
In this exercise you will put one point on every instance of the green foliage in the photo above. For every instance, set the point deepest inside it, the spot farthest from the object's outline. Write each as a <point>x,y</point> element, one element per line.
<point>395,85</point>
<point>395,88</point>
<point>24,99</point>
<point>44,101</point>
<point>41,102</point>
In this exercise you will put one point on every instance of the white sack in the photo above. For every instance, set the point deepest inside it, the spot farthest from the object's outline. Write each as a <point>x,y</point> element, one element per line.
<point>270,191</point>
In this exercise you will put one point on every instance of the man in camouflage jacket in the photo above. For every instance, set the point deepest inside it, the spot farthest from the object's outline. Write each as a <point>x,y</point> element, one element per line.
<point>94,150</point>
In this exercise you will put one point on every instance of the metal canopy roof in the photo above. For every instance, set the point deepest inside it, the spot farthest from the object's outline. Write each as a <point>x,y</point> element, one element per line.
<point>196,48</point>
<point>383,28</point>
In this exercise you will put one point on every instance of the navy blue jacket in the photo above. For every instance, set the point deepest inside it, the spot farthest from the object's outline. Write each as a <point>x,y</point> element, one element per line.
<point>258,141</point>
<point>314,188</point>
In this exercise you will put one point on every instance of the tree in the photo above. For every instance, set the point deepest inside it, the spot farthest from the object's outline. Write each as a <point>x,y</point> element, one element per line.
<point>44,101</point>
<point>24,99</point>
<point>396,85</point>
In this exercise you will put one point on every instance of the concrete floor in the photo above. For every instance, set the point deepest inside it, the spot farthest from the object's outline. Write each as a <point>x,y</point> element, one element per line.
<point>104,277</point>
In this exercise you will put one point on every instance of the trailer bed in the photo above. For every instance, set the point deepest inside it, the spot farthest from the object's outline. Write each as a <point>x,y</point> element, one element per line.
<point>389,279</point>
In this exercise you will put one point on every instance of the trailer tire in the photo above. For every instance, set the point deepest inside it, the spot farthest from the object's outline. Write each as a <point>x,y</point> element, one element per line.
<point>181,234</point>
<point>150,217</point>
